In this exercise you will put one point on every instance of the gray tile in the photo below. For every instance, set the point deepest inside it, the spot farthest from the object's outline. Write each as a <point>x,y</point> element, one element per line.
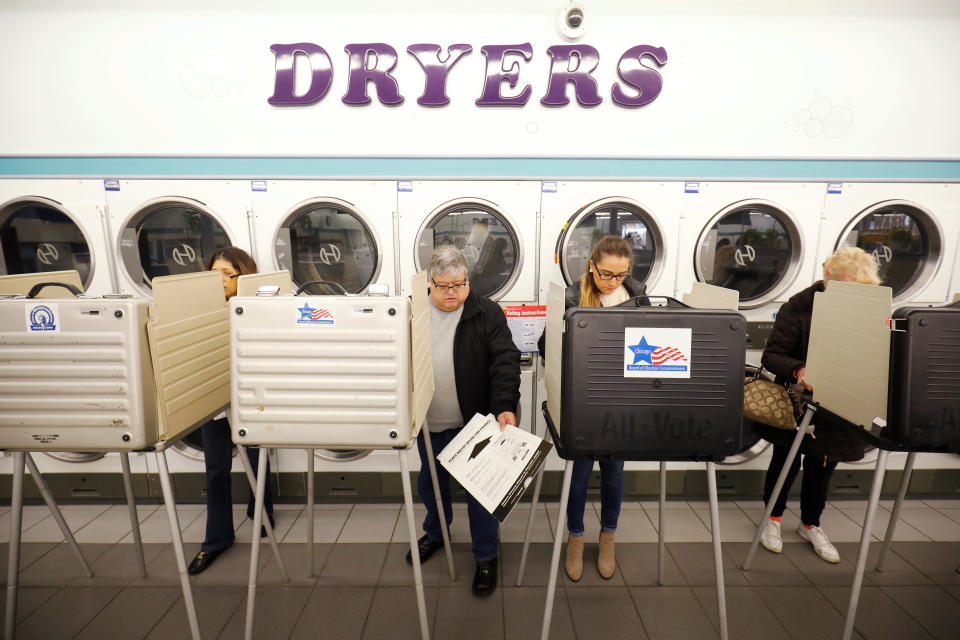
<point>747,617</point>
<point>514,529</point>
<point>803,611</point>
<point>29,553</point>
<point>131,615</point>
<point>463,563</point>
<point>682,525</point>
<point>896,570</point>
<point>356,565</point>
<point>394,614</point>
<point>878,617</point>
<point>117,567</point>
<point>59,566</point>
<point>902,531</point>
<point>76,518</point>
<point>536,573</point>
<point>817,570</point>
<point>162,571</point>
<point>735,526</point>
<point>215,605</point>
<point>334,613</point>
<point>327,525</point>
<point>672,613</point>
<point>276,612</point>
<point>397,572</point>
<point>932,523</point>
<point>370,525</point>
<point>67,613</point>
<point>932,607</point>
<point>461,613</point>
<point>635,525</point>
<point>523,609</point>
<point>604,613</point>
<point>695,561</point>
<point>937,560</point>
<point>294,558</point>
<point>767,568</point>
<point>29,599</point>
<point>638,564</point>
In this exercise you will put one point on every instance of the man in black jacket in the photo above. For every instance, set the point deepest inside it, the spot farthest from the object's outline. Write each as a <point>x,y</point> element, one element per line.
<point>477,370</point>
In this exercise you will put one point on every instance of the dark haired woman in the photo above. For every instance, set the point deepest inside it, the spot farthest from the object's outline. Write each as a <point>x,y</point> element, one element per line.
<point>232,263</point>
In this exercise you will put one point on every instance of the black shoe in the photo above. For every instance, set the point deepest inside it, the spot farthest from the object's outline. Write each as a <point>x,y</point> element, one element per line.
<point>427,547</point>
<point>201,561</point>
<point>485,579</point>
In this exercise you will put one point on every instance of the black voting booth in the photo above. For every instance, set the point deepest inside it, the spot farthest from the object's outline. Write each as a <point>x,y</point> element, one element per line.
<point>649,383</point>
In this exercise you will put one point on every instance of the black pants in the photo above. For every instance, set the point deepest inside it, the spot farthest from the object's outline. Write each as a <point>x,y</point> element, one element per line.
<point>813,491</point>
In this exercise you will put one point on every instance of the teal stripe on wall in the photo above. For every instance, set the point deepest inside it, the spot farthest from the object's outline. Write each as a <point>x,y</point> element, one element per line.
<point>546,168</point>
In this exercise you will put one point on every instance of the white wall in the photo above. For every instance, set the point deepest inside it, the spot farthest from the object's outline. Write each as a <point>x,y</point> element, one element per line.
<point>744,79</point>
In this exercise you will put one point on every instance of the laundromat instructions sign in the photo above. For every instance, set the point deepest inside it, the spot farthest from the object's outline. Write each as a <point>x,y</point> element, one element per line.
<point>372,63</point>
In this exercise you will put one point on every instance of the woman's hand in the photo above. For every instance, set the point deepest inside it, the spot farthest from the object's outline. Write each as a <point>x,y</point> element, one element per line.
<point>801,374</point>
<point>506,418</point>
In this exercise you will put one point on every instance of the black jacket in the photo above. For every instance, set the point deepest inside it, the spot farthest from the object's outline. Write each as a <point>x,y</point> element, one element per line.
<point>787,346</point>
<point>572,299</point>
<point>486,362</point>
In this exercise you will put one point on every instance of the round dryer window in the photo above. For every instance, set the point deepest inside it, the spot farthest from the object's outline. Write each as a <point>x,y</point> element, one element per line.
<point>328,242</point>
<point>752,247</point>
<point>617,218</point>
<point>37,236</point>
<point>903,238</point>
<point>169,238</point>
<point>487,239</point>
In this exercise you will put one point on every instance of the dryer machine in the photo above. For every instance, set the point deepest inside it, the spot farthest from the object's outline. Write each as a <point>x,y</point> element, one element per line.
<point>912,230</point>
<point>339,231</point>
<point>166,227</point>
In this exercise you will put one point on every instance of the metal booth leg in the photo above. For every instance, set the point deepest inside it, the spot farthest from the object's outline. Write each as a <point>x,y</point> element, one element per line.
<point>311,499</point>
<point>555,558</point>
<point>533,514</point>
<point>55,512</point>
<point>864,547</point>
<point>794,448</point>
<point>255,547</point>
<point>134,518</point>
<point>661,529</point>
<point>248,470</point>
<point>414,552</point>
<point>895,516</point>
<point>717,552</point>
<point>444,531</point>
<point>171,505</point>
<point>13,552</point>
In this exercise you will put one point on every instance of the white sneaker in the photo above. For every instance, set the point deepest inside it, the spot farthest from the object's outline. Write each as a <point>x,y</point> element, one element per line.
<point>821,543</point>
<point>771,538</point>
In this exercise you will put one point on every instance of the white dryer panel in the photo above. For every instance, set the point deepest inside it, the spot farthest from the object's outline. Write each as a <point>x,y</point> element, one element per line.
<point>164,227</point>
<point>574,215</point>
<point>55,225</point>
<point>758,237</point>
<point>76,462</point>
<point>495,223</point>
<point>911,228</point>
<point>342,231</point>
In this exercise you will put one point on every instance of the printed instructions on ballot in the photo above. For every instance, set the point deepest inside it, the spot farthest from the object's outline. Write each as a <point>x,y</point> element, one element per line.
<point>494,467</point>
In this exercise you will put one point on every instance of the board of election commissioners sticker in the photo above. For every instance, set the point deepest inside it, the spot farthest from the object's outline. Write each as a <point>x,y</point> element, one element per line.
<point>494,467</point>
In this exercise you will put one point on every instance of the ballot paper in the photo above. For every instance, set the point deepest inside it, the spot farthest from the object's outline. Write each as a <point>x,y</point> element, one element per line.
<point>494,467</point>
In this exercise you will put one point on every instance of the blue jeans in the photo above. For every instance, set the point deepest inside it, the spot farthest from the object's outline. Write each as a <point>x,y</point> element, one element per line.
<point>217,456</point>
<point>484,528</point>
<point>611,494</point>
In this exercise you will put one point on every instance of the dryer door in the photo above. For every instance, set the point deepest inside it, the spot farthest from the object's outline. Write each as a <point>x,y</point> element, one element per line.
<point>487,238</point>
<point>330,241</point>
<point>38,235</point>
<point>611,218</point>
<point>752,247</point>
<point>169,237</point>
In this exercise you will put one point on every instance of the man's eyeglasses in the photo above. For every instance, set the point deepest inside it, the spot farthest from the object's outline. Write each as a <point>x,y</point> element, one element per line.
<point>606,275</point>
<point>451,287</point>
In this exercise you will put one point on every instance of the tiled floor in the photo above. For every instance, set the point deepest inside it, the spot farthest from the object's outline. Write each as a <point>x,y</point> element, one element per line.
<point>361,585</point>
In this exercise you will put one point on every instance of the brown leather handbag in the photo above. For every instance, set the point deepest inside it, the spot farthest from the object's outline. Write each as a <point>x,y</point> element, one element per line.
<point>769,403</point>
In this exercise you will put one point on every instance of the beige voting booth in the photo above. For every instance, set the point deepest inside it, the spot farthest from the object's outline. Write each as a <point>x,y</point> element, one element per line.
<point>329,371</point>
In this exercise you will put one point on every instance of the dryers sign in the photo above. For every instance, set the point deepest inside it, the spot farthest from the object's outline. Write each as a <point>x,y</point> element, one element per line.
<point>656,353</point>
<point>47,253</point>
<point>183,255</point>
<point>373,62</point>
<point>42,318</point>
<point>318,315</point>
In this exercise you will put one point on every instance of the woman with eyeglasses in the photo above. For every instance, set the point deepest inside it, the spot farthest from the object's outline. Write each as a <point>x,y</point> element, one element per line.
<point>232,263</point>
<point>606,283</point>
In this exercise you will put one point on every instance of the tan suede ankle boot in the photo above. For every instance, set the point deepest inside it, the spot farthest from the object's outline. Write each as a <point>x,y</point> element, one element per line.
<point>606,560</point>
<point>574,562</point>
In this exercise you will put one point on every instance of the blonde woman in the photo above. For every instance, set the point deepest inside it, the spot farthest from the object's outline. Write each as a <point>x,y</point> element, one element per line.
<point>785,356</point>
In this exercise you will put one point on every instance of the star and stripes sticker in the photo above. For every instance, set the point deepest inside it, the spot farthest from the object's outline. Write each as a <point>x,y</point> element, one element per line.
<point>654,352</point>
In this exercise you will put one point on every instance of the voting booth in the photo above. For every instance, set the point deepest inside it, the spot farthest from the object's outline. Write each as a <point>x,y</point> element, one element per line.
<point>109,373</point>
<point>330,371</point>
<point>651,379</point>
<point>889,378</point>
